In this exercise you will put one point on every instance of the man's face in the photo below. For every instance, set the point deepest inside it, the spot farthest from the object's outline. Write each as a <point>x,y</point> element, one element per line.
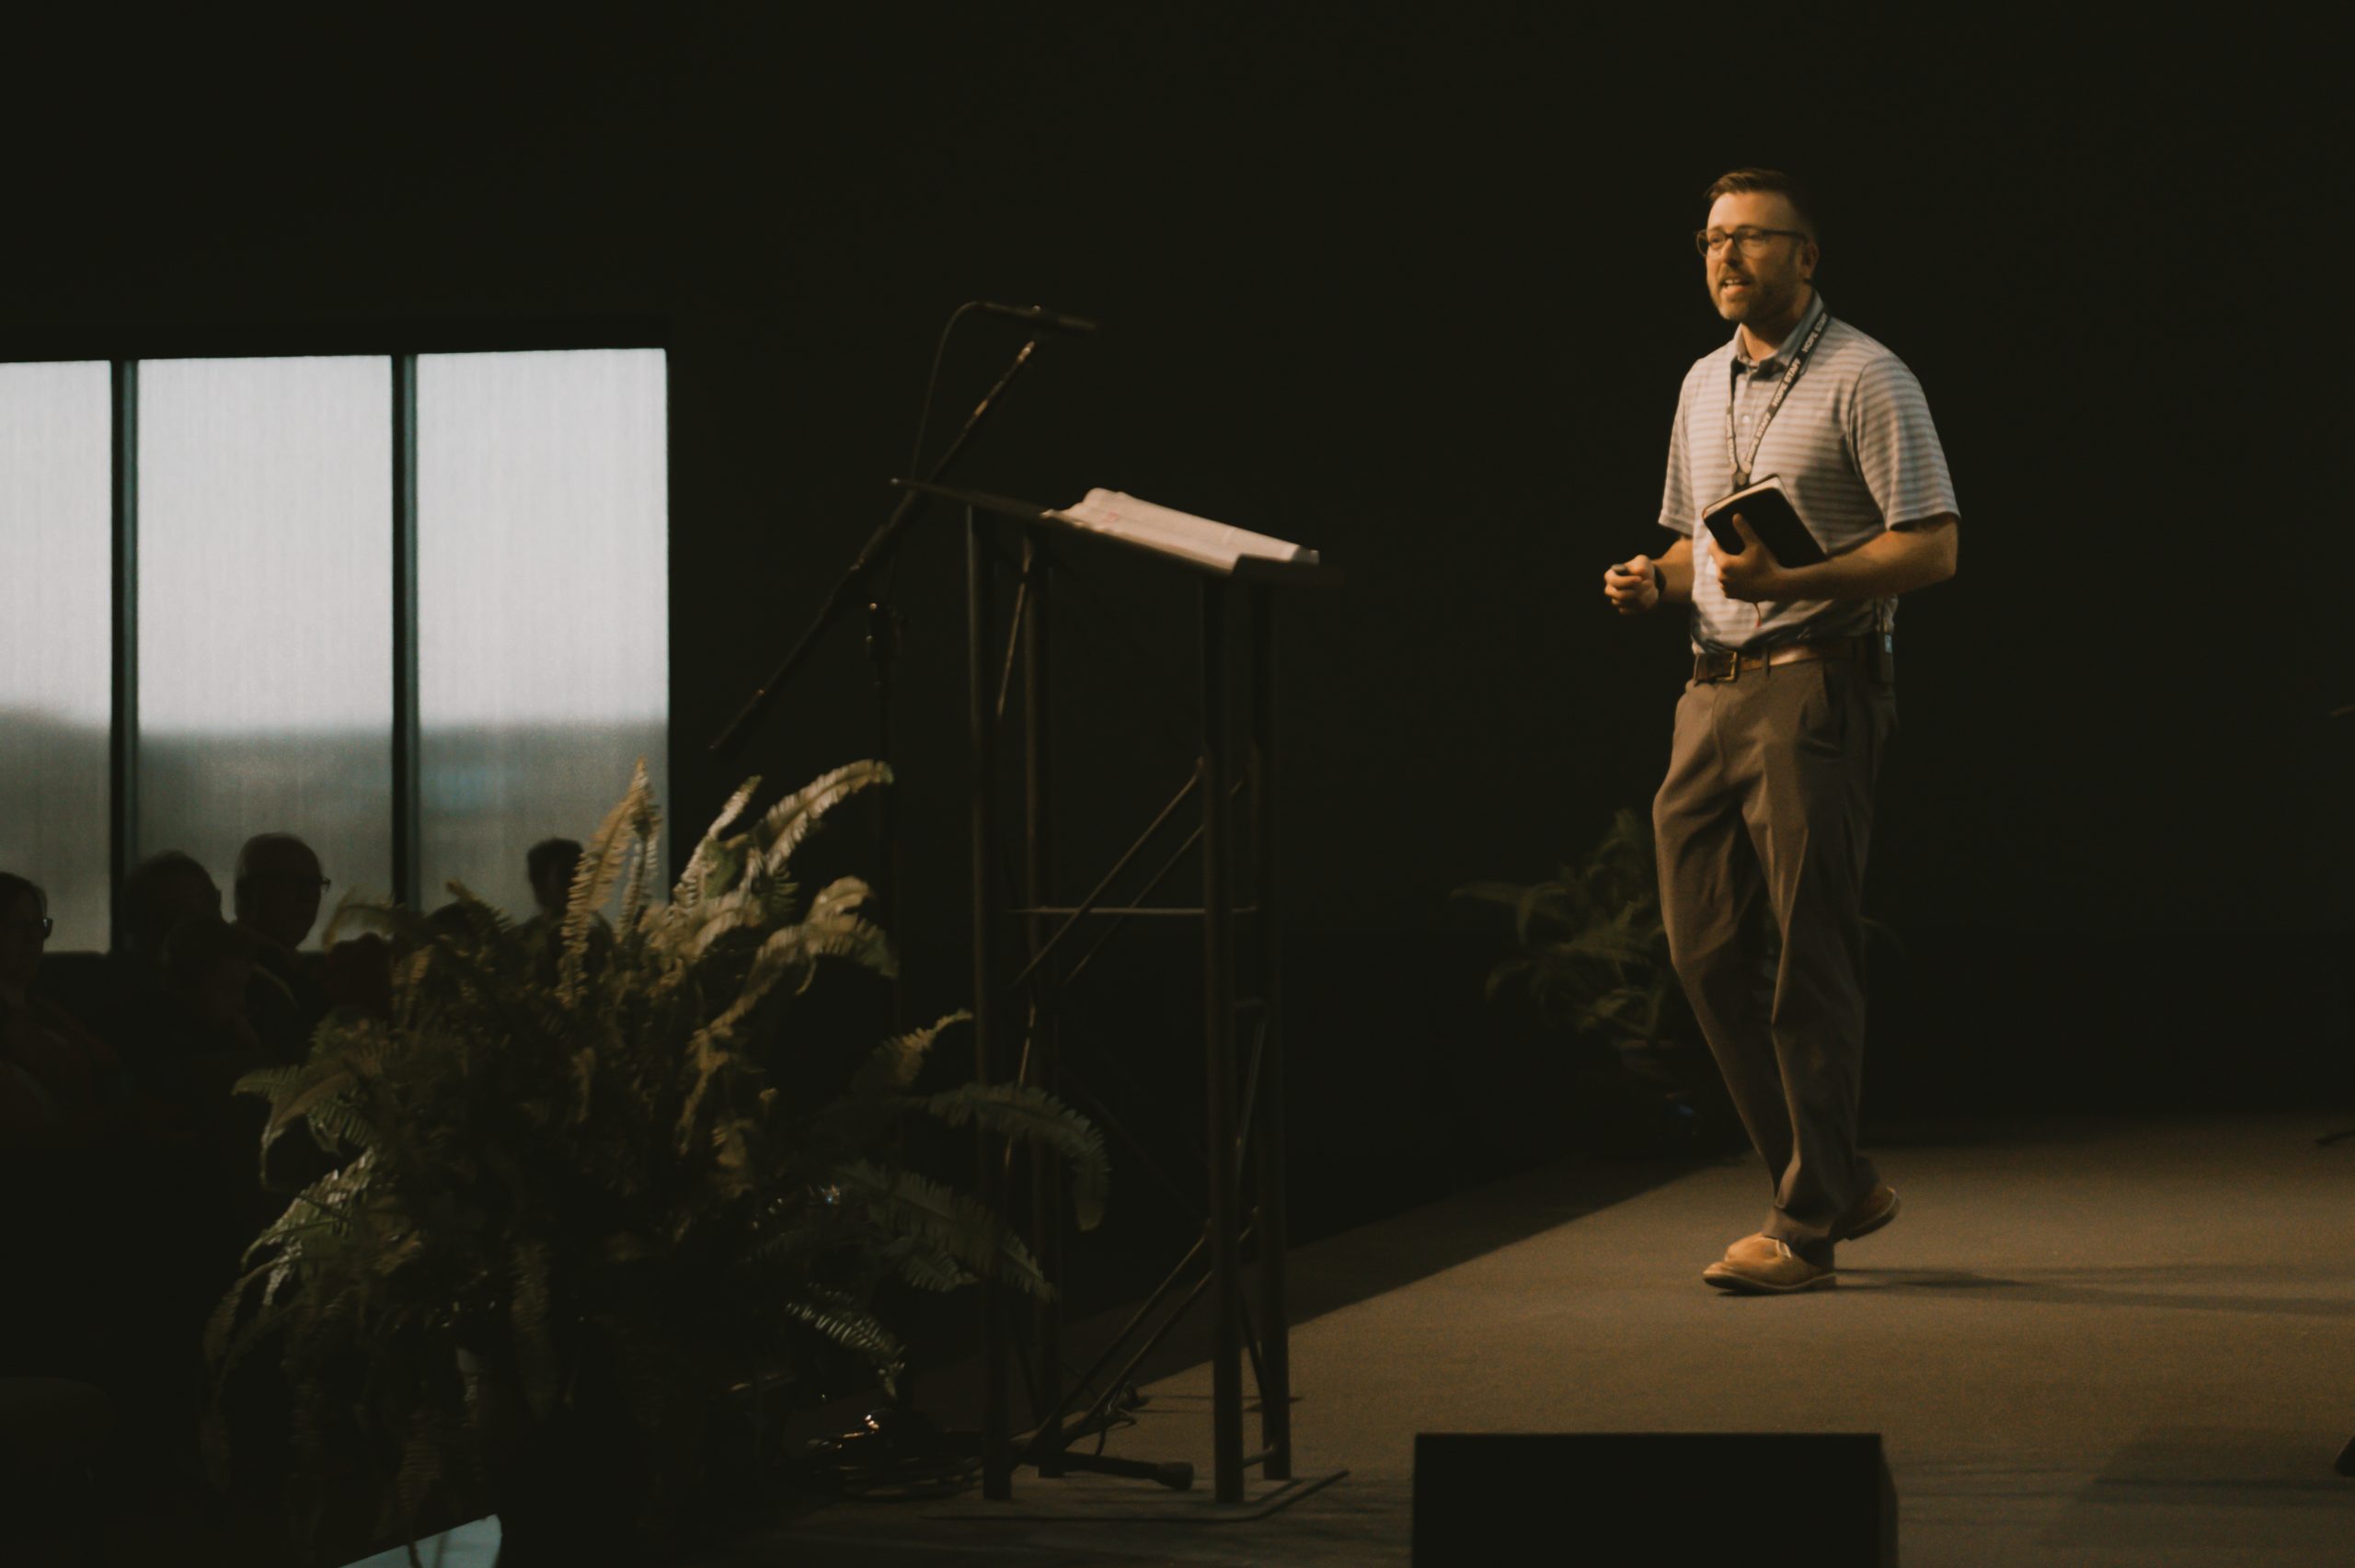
<point>1763,288</point>
<point>553,886</point>
<point>284,894</point>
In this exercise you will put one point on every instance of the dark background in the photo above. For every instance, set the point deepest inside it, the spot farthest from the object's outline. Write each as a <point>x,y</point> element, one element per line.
<point>1416,289</point>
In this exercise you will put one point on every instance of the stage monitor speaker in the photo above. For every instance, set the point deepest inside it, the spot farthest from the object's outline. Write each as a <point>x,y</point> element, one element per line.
<point>1656,1499</point>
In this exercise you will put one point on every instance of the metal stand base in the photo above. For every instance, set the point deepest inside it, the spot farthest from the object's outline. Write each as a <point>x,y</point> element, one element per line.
<point>1115,1501</point>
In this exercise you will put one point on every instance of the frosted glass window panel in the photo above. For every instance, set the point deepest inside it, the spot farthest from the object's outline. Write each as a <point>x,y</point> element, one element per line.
<point>543,603</point>
<point>265,611</point>
<point>56,639</point>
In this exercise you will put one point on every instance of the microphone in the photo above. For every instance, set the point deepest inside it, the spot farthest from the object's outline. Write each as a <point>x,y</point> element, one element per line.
<point>1037,315</point>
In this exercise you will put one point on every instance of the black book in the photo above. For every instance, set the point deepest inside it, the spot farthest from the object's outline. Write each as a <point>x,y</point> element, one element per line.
<point>1767,509</point>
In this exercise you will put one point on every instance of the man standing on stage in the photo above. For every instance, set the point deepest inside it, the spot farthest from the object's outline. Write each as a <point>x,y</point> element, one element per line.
<point>1779,735</point>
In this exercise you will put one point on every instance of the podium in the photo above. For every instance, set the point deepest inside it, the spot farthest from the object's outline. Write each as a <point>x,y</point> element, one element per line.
<point>1240,577</point>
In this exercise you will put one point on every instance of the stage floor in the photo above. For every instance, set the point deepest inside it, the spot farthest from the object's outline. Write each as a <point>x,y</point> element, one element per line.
<point>2090,1341</point>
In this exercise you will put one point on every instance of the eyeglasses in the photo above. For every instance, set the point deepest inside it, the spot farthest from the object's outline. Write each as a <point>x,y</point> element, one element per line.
<point>295,878</point>
<point>1708,241</point>
<point>42,922</point>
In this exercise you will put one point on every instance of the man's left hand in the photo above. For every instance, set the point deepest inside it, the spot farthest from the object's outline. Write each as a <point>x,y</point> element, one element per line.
<point>1754,573</point>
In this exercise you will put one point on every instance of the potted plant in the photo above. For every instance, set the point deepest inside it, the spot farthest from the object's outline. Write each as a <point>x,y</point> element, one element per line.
<point>569,1202</point>
<point>1590,955</point>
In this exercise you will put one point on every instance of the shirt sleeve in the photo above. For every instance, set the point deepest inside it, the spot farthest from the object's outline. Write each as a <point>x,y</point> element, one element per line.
<point>1676,506</point>
<point>1898,454</point>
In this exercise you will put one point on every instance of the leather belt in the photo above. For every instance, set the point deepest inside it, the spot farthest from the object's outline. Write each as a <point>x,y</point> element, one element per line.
<point>1730,663</point>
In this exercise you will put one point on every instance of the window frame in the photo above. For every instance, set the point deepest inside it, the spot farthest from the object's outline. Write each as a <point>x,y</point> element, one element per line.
<point>399,347</point>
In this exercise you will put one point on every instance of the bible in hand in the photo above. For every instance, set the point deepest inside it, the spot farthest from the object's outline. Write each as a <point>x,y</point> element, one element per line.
<point>1767,509</point>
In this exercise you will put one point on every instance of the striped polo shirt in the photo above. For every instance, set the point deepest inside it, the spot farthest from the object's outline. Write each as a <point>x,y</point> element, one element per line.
<point>1856,452</point>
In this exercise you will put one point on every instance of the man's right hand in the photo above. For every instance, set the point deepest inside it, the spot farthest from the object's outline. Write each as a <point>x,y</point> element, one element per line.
<point>1633,588</point>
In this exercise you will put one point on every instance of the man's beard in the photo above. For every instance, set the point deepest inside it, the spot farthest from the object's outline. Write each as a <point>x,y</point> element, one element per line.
<point>1760,302</point>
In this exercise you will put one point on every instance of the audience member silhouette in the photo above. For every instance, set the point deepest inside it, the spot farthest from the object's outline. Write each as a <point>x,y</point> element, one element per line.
<point>161,891</point>
<point>278,888</point>
<point>207,968</point>
<point>136,1016</point>
<point>57,1079</point>
<point>549,867</point>
<point>94,1175</point>
<point>210,1043</point>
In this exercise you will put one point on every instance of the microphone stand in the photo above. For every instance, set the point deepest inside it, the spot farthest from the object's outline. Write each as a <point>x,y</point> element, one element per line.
<point>882,643</point>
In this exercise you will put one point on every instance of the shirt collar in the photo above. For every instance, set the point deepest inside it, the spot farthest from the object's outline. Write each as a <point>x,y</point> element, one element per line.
<point>1789,346</point>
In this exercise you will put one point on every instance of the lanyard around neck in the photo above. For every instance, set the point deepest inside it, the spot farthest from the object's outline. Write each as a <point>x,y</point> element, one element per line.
<point>1742,466</point>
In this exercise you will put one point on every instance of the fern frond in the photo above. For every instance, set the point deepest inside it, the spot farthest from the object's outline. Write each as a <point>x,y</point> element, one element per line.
<point>1489,892</point>
<point>926,1264</point>
<point>708,1056</point>
<point>1505,971</point>
<point>1029,1115</point>
<point>850,1325</point>
<point>795,952</point>
<point>1611,944</point>
<point>323,1080</point>
<point>784,825</point>
<point>265,1083</point>
<point>895,1063</point>
<point>905,1204</point>
<point>844,895</point>
<point>691,889</point>
<point>324,1206</point>
<point>592,883</point>
<point>1556,904</point>
<point>645,829</point>
<point>810,1234</point>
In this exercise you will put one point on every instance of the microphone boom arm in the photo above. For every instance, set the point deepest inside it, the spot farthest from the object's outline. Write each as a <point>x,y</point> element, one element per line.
<point>870,559</point>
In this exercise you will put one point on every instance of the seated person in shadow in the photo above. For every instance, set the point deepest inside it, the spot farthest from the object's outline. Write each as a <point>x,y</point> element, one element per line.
<point>208,1039</point>
<point>89,1167</point>
<point>61,1086</point>
<point>139,1019</point>
<point>54,1075</point>
<point>210,1042</point>
<point>277,890</point>
<point>550,866</point>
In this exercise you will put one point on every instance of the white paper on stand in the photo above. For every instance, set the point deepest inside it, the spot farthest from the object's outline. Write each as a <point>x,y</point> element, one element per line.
<point>1197,538</point>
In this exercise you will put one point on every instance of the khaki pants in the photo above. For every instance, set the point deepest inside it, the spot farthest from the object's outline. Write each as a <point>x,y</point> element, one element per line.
<point>1769,794</point>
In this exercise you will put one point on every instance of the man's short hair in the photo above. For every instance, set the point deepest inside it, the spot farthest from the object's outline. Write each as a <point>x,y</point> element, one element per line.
<point>549,853</point>
<point>253,861</point>
<point>264,847</point>
<point>1742,182</point>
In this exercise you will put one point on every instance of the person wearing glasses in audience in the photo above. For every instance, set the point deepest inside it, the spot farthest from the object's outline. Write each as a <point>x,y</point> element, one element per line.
<point>277,890</point>
<point>61,1086</point>
<point>1780,734</point>
<point>53,1073</point>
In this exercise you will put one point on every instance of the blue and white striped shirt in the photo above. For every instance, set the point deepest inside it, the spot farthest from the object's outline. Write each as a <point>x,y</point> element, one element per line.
<point>1857,452</point>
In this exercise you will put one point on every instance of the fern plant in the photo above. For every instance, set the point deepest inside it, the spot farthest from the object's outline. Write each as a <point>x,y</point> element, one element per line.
<point>552,1180</point>
<point>1591,950</point>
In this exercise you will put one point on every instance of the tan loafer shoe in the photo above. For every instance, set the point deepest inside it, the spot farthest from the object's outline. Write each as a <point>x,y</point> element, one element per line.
<point>1761,1265</point>
<point>1867,1213</point>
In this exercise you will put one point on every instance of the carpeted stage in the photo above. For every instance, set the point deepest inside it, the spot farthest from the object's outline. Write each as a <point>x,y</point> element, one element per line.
<point>2090,1343</point>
